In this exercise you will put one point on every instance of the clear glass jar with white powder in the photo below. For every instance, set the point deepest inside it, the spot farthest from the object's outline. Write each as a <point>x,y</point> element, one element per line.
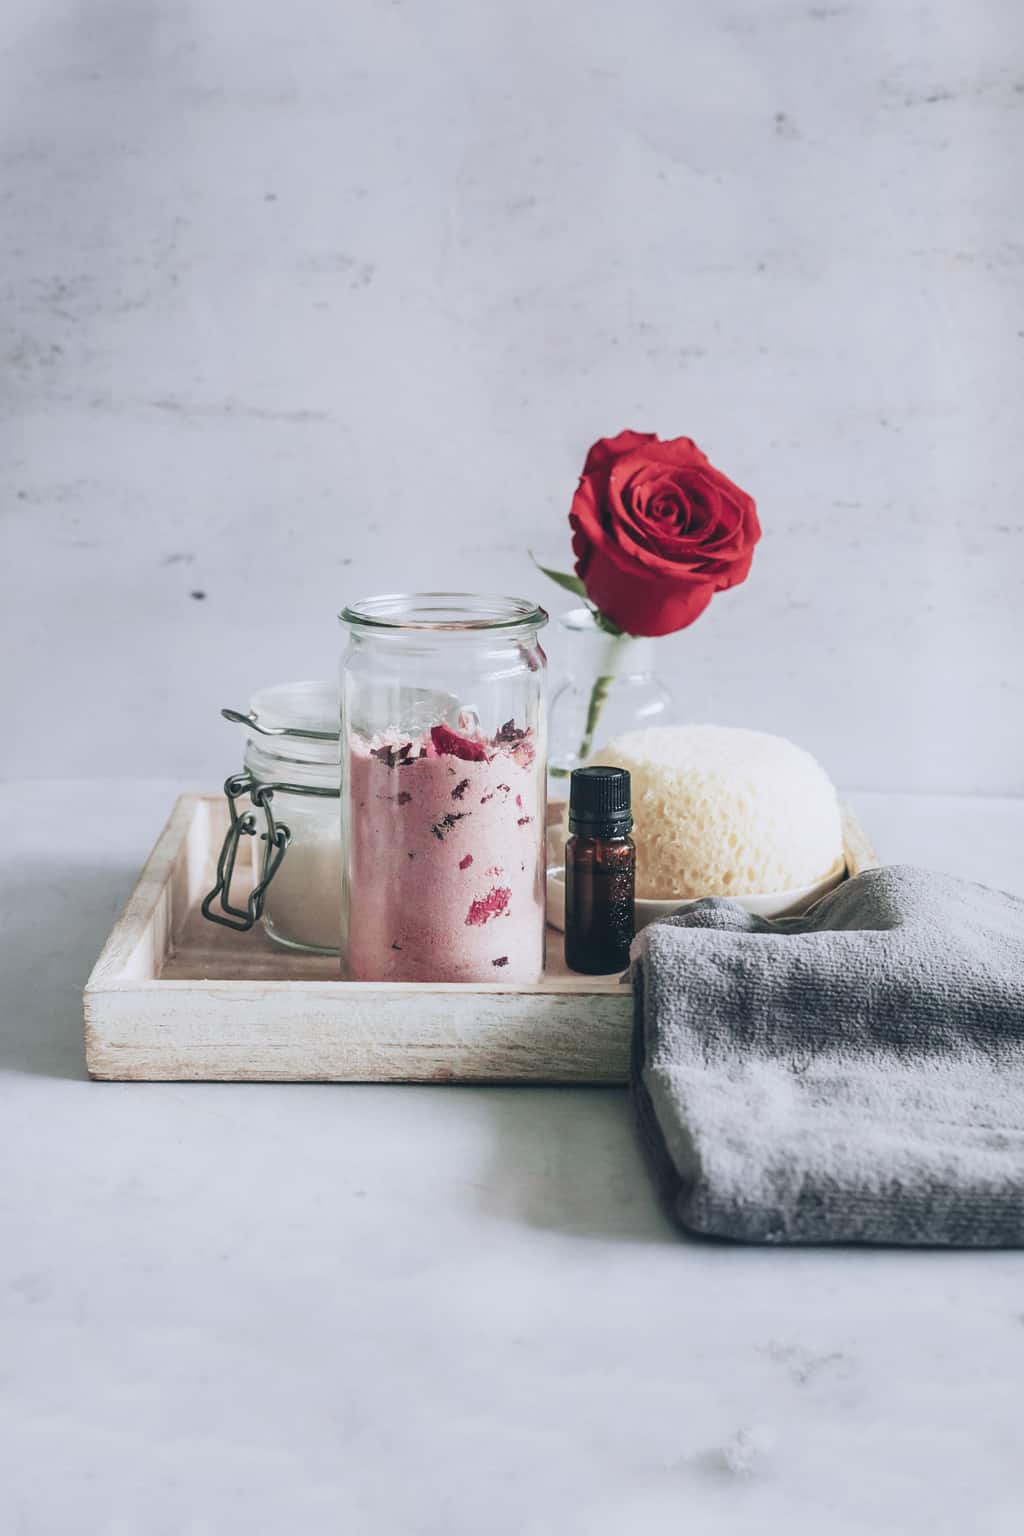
<point>291,781</point>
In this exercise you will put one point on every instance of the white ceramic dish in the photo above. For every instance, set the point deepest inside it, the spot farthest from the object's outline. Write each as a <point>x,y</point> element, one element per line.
<point>774,904</point>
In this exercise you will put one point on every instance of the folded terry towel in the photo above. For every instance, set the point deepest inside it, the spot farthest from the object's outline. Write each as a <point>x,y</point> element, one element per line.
<point>855,1075</point>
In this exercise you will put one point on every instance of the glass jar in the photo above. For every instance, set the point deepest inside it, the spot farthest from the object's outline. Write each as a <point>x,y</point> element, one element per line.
<point>291,779</point>
<point>443,750</point>
<point>610,687</point>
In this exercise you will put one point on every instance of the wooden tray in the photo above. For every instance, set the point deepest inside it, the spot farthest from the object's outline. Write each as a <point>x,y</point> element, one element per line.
<point>175,997</point>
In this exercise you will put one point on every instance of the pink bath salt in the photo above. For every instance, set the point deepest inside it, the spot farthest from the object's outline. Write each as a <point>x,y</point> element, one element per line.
<point>449,743</point>
<point>486,907</point>
<point>419,909</point>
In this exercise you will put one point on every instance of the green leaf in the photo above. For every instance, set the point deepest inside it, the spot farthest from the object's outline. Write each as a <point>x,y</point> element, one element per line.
<point>570,583</point>
<point>573,584</point>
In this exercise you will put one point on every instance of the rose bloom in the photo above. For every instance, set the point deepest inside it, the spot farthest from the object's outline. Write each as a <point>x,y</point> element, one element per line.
<point>657,530</point>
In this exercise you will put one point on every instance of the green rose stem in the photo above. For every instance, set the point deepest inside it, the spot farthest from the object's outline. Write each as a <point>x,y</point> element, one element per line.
<point>598,696</point>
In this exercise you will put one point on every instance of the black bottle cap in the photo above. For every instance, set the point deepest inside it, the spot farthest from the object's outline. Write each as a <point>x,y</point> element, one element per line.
<point>599,803</point>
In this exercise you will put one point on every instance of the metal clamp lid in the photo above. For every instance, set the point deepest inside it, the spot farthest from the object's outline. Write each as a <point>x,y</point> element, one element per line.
<point>217,905</point>
<point>277,837</point>
<point>250,721</point>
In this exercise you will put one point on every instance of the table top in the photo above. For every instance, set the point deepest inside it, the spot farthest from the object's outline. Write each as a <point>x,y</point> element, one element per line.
<point>321,1308</point>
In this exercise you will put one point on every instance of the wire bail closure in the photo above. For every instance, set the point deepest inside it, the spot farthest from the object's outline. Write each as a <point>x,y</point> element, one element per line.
<point>216,905</point>
<point>276,837</point>
<point>251,723</point>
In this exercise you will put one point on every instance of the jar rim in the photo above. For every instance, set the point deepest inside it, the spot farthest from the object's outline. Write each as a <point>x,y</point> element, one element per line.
<point>312,763</point>
<point>443,612</point>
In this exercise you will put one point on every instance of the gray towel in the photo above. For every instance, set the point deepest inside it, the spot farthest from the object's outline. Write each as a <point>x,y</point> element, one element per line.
<point>855,1075</point>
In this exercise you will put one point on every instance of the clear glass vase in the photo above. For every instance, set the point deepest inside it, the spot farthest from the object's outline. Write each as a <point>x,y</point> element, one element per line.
<point>610,687</point>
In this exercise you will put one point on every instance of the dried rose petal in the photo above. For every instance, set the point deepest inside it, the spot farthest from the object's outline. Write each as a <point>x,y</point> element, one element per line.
<point>447,741</point>
<point>447,822</point>
<point>501,960</point>
<point>394,757</point>
<point>466,862</point>
<point>460,789</point>
<point>488,906</point>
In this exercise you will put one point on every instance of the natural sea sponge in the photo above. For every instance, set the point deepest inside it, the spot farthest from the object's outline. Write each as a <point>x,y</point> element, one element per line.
<point>724,812</point>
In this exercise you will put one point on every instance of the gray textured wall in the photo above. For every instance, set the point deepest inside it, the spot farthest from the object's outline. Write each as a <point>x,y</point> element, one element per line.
<point>303,302</point>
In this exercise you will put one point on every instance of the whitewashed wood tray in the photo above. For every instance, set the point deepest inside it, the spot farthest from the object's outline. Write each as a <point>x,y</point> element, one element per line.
<point>173,997</point>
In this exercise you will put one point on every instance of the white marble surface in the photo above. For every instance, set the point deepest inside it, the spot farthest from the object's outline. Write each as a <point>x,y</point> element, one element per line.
<point>302,302</point>
<point>436,1311</point>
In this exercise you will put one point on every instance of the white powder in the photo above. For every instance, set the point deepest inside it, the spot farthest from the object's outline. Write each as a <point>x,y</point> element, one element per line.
<point>303,901</point>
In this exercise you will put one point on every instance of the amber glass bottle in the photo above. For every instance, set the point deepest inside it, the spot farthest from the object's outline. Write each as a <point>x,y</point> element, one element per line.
<point>600,872</point>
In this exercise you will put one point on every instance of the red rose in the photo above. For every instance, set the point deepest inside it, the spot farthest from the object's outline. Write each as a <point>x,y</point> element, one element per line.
<point>657,530</point>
